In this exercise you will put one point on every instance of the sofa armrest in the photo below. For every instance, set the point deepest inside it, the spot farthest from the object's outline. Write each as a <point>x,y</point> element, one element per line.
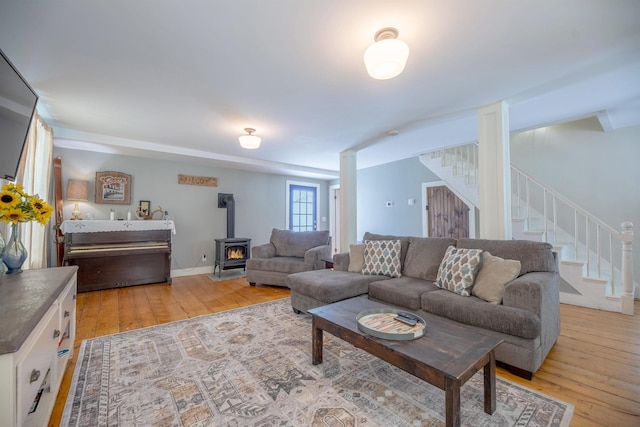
<point>534,292</point>
<point>263,251</point>
<point>341,261</point>
<point>317,256</point>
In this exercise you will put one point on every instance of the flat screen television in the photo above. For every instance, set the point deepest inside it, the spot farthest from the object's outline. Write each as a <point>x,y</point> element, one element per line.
<point>17,107</point>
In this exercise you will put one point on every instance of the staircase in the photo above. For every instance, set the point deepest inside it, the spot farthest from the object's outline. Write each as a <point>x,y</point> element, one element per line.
<point>594,258</point>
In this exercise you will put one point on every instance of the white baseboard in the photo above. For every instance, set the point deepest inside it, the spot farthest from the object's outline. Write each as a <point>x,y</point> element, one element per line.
<point>192,271</point>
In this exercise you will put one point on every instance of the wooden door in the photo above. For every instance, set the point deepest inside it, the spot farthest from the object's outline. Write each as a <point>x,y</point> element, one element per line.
<point>447,215</point>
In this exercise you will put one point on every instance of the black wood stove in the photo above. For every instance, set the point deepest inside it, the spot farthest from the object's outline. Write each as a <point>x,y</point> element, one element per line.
<point>232,252</point>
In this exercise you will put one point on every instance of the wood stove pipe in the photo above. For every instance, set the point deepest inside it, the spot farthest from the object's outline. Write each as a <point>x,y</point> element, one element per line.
<point>226,200</point>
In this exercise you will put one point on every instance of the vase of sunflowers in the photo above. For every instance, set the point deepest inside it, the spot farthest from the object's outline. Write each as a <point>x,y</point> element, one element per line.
<point>17,207</point>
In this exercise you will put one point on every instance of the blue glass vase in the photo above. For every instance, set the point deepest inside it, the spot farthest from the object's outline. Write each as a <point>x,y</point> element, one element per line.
<point>14,253</point>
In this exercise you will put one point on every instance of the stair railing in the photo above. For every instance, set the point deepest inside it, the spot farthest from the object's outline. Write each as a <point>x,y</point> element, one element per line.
<point>593,244</point>
<point>463,160</point>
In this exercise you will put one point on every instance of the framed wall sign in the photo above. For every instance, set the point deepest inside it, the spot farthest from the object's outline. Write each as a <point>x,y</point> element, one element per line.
<point>113,188</point>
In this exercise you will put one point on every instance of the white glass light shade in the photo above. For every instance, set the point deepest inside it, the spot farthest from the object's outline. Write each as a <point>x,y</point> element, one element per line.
<point>250,142</point>
<point>386,58</point>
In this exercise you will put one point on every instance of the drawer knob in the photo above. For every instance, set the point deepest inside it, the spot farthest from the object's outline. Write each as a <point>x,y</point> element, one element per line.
<point>66,313</point>
<point>56,333</point>
<point>34,376</point>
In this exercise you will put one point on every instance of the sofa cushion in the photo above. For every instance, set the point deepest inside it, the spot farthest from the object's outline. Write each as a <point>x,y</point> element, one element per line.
<point>424,256</point>
<point>356,257</point>
<point>382,258</point>
<point>495,273</point>
<point>404,242</point>
<point>283,264</point>
<point>402,291</point>
<point>476,312</point>
<point>533,256</point>
<point>458,269</point>
<point>330,285</point>
<point>296,243</point>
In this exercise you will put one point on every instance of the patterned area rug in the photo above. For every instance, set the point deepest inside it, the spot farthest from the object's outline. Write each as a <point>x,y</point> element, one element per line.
<point>252,367</point>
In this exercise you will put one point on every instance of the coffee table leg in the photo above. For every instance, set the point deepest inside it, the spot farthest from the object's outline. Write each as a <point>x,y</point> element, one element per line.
<point>490,384</point>
<point>316,343</point>
<point>452,402</point>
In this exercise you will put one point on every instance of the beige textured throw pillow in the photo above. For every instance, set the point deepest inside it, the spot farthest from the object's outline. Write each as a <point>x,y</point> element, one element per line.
<point>356,257</point>
<point>495,273</point>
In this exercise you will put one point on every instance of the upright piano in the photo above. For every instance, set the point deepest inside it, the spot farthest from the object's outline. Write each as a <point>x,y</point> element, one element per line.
<point>112,254</point>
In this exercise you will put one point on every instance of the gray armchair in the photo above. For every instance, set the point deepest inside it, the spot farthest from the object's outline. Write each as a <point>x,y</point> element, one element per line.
<point>286,253</point>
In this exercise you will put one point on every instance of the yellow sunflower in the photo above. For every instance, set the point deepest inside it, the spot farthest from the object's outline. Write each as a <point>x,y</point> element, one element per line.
<point>43,214</point>
<point>17,206</point>
<point>14,215</point>
<point>9,199</point>
<point>12,186</point>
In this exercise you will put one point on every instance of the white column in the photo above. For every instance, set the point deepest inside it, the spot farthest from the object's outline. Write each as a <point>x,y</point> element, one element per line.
<point>494,169</point>
<point>348,199</point>
<point>627,268</point>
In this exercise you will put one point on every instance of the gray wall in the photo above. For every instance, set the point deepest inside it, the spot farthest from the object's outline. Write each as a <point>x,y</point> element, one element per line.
<point>396,182</point>
<point>260,200</point>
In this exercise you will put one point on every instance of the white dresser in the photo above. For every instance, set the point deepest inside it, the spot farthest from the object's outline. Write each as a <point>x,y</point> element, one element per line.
<point>37,332</point>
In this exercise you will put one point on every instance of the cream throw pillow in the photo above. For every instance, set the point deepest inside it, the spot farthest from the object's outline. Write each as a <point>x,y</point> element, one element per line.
<point>356,257</point>
<point>495,273</point>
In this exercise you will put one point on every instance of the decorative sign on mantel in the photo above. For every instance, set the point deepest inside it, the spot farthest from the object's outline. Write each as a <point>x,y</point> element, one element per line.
<point>197,180</point>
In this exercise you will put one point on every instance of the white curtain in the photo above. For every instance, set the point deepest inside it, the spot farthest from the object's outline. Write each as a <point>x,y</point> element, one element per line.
<point>34,174</point>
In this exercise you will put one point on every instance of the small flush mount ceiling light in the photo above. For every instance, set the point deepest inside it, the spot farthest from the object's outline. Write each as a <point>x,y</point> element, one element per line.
<point>250,141</point>
<point>387,57</point>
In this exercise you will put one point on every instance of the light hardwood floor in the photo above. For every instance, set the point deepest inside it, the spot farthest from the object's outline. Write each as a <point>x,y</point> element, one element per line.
<point>595,365</point>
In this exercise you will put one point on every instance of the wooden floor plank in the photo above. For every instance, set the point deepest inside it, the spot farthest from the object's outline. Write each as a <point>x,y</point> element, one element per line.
<point>595,364</point>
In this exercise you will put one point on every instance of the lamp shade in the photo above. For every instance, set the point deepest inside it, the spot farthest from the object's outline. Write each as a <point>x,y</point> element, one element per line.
<point>78,190</point>
<point>387,57</point>
<point>250,141</point>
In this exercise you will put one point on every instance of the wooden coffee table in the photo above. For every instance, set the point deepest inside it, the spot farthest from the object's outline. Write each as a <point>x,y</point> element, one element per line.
<point>446,356</point>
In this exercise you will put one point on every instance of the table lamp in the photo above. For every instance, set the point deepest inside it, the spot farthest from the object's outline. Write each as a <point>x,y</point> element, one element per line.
<point>77,191</point>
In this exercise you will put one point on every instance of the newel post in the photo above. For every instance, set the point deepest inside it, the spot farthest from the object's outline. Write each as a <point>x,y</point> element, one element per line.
<point>626,236</point>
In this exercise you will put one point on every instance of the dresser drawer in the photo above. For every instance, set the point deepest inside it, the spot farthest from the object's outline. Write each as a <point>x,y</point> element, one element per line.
<point>67,309</point>
<point>41,353</point>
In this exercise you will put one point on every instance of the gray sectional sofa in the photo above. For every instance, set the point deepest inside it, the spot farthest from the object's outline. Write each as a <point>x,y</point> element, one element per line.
<point>525,311</point>
<point>287,252</point>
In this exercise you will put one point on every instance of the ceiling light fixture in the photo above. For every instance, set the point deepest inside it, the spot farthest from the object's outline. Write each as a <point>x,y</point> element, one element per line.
<point>250,141</point>
<point>387,57</point>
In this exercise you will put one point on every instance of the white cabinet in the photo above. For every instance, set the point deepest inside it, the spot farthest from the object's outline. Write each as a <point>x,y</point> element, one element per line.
<point>43,304</point>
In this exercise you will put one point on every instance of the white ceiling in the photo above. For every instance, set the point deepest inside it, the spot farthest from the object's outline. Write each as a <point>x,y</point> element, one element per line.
<point>167,78</point>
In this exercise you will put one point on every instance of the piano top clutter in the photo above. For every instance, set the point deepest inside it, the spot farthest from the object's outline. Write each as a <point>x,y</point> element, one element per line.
<point>95,226</point>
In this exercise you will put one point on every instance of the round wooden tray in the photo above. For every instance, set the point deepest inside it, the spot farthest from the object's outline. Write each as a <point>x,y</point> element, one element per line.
<point>381,323</point>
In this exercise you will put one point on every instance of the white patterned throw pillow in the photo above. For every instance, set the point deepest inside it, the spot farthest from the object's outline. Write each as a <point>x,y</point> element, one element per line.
<point>382,258</point>
<point>458,270</point>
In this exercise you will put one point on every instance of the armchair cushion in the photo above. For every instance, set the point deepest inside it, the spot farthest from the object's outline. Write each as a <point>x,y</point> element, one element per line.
<point>296,243</point>
<point>263,251</point>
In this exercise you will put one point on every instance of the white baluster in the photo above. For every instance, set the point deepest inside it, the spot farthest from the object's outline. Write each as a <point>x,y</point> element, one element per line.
<point>626,236</point>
